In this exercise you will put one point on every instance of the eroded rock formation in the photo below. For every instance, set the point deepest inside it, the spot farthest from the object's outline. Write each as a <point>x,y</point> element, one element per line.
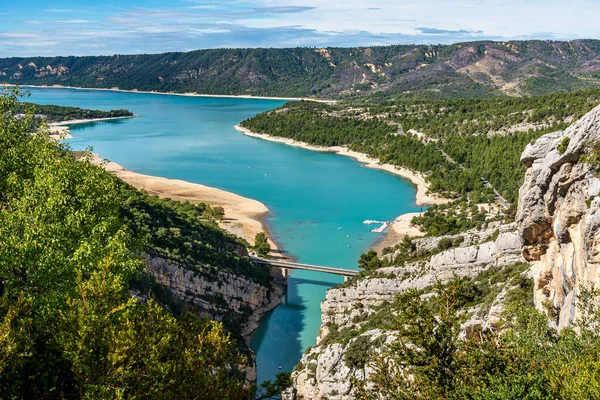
<point>559,217</point>
<point>220,294</point>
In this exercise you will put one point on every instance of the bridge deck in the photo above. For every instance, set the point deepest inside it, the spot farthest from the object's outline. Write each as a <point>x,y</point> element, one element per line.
<point>307,267</point>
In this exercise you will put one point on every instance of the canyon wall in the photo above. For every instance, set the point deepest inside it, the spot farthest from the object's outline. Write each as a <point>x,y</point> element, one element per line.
<point>559,218</point>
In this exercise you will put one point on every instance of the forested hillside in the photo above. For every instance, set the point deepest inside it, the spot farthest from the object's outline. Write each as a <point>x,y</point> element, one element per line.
<point>71,243</point>
<point>454,142</point>
<point>475,69</point>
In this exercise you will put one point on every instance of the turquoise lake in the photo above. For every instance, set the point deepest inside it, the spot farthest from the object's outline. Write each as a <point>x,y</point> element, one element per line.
<point>309,194</point>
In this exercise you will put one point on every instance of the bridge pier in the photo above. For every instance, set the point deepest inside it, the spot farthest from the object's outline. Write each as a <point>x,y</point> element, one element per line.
<point>346,278</point>
<point>285,272</point>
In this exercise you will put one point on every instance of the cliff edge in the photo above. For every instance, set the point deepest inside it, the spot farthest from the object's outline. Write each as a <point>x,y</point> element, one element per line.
<point>558,217</point>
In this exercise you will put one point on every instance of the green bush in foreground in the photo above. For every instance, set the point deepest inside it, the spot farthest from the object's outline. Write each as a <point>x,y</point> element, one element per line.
<point>69,327</point>
<point>526,360</point>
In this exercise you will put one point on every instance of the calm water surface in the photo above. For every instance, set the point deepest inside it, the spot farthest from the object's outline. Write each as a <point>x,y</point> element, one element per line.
<point>310,195</point>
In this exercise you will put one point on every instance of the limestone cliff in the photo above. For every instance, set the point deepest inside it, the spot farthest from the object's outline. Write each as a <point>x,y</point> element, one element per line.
<point>324,373</point>
<point>219,294</point>
<point>559,217</point>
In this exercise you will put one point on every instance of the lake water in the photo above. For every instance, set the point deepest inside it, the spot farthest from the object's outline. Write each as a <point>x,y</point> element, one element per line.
<point>310,195</point>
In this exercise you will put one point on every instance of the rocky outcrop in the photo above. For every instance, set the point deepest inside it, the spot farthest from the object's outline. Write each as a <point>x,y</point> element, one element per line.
<point>219,294</point>
<point>558,218</point>
<point>323,372</point>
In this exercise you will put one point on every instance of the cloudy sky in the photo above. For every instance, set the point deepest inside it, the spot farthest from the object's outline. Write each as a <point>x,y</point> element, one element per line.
<point>82,27</point>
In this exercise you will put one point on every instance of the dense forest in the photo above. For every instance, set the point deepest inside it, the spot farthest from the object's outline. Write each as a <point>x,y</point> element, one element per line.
<point>71,241</point>
<point>463,70</point>
<point>54,113</point>
<point>455,142</point>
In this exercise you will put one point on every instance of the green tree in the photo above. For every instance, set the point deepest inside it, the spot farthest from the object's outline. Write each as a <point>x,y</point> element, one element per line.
<point>261,244</point>
<point>69,327</point>
<point>369,262</point>
<point>216,213</point>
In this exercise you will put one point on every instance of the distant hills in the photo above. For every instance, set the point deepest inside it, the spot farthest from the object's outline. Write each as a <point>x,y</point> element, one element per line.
<point>474,69</point>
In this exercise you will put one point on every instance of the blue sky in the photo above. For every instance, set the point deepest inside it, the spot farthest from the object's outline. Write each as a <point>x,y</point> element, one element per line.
<point>87,27</point>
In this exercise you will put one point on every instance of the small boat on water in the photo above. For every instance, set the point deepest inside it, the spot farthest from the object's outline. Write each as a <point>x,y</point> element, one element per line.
<point>340,228</point>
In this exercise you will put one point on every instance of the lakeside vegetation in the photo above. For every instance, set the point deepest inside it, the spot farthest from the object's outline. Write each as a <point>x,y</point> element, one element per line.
<point>71,241</point>
<point>54,113</point>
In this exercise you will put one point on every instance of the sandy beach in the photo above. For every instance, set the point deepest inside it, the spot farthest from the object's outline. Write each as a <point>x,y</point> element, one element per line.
<point>242,215</point>
<point>86,121</point>
<point>398,229</point>
<point>189,94</point>
<point>58,132</point>
<point>422,197</point>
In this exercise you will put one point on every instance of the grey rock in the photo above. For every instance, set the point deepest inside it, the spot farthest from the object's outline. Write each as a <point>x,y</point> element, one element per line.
<point>558,218</point>
<point>341,306</point>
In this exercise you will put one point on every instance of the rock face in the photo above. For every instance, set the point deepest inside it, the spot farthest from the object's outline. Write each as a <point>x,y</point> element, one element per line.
<point>221,294</point>
<point>322,372</point>
<point>216,296</point>
<point>558,217</point>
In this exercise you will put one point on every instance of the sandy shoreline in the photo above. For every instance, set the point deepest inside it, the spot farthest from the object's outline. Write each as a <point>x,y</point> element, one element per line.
<point>422,197</point>
<point>86,121</point>
<point>60,130</point>
<point>243,216</point>
<point>401,226</point>
<point>188,94</point>
<point>398,229</point>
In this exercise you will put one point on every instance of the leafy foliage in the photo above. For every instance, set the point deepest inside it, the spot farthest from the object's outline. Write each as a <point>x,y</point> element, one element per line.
<point>450,219</point>
<point>68,326</point>
<point>55,113</point>
<point>526,360</point>
<point>261,244</point>
<point>186,234</point>
<point>562,146</point>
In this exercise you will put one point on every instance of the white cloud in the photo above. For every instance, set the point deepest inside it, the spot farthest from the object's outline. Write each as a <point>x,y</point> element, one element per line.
<point>192,24</point>
<point>208,30</point>
<point>74,21</point>
<point>20,35</point>
<point>60,10</point>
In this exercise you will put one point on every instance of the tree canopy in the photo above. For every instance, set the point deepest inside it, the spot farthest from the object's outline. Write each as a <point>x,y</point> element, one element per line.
<point>69,326</point>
